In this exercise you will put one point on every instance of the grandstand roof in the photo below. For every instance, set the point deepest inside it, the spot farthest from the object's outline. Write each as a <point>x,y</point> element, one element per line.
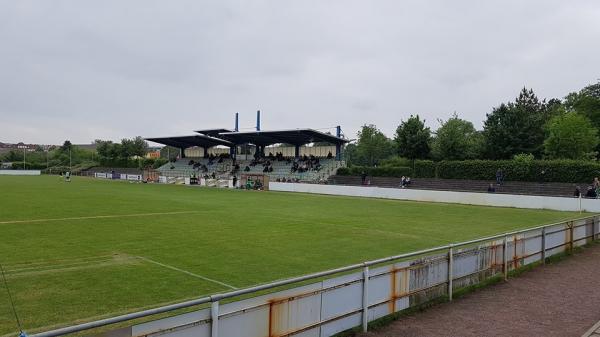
<point>294,136</point>
<point>190,141</point>
<point>213,132</point>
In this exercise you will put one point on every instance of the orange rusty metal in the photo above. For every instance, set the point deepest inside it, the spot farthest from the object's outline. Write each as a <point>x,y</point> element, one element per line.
<point>392,303</point>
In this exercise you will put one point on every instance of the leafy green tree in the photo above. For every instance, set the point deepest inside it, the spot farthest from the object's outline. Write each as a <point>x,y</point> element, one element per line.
<point>371,147</point>
<point>586,102</point>
<point>66,146</point>
<point>515,128</point>
<point>571,136</point>
<point>456,139</point>
<point>413,138</point>
<point>103,148</point>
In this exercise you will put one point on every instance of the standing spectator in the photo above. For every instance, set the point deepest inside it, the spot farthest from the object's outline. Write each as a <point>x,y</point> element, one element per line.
<point>597,185</point>
<point>499,176</point>
<point>491,188</point>
<point>363,177</point>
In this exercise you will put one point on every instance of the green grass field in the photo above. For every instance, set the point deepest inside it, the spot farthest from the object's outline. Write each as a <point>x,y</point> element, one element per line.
<point>91,248</point>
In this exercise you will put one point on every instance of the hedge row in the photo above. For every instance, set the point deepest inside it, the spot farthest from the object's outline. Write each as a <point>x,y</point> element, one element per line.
<point>566,171</point>
<point>375,171</point>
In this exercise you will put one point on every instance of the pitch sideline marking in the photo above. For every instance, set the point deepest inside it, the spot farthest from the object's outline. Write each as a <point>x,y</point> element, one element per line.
<point>187,272</point>
<point>96,217</point>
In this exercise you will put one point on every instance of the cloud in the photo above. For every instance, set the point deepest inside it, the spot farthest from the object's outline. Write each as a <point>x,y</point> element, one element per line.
<point>83,70</point>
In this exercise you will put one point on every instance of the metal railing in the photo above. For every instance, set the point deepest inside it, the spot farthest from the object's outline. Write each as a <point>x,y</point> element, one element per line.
<point>452,252</point>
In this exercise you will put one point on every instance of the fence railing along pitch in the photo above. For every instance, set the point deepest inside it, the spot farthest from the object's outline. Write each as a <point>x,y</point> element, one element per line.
<point>364,292</point>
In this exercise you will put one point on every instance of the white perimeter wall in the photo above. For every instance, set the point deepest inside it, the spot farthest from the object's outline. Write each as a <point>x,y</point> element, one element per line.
<point>469,198</point>
<point>20,172</point>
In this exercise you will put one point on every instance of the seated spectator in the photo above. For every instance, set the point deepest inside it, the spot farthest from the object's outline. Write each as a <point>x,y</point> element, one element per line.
<point>191,162</point>
<point>329,155</point>
<point>591,193</point>
<point>402,181</point>
<point>266,169</point>
<point>491,188</point>
<point>407,181</point>
<point>247,169</point>
<point>577,192</point>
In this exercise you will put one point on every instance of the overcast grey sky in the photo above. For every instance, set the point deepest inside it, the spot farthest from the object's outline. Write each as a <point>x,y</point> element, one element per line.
<point>83,70</point>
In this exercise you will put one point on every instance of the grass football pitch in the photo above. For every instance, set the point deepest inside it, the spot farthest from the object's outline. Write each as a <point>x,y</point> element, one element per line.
<point>88,249</point>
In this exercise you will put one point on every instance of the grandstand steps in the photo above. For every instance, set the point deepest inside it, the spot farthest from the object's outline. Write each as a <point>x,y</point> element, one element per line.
<point>508,187</point>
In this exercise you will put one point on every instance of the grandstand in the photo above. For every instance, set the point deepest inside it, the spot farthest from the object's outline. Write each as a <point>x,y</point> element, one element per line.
<point>305,155</point>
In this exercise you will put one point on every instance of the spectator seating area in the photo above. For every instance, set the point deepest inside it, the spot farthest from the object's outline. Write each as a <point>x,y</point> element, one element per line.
<point>508,187</point>
<point>278,168</point>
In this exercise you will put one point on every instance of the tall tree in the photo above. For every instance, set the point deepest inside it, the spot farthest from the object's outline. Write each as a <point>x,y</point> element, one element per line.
<point>371,147</point>
<point>103,148</point>
<point>412,138</point>
<point>571,136</point>
<point>515,128</point>
<point>456,139</point>
<point>586,102</point>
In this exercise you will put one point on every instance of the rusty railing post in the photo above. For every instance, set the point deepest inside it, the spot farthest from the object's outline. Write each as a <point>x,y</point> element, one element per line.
<point>544,245</point>
<point>214,316</point>
<point>505,259</point>
<point>365,299</point>
<point>571,236</point>
<point>450,270</point>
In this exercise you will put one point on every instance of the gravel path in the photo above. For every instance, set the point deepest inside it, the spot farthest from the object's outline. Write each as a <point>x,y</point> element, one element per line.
<point>559,299</point>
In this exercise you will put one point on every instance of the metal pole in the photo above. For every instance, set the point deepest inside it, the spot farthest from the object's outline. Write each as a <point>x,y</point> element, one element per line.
<point>571,236</point>
<point>365,300</point>
<point>450,270</point>
<point>214,315</point>
<point>24,168</point>
<point>505,245</point>
<point>580,210</point>
<point>544,245</point>
<point>69,159</point>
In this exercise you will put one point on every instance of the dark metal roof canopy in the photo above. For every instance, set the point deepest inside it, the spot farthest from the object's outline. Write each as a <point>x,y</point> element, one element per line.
<point>190,141</point>
<point>213,132</point>
<point>295,137</point>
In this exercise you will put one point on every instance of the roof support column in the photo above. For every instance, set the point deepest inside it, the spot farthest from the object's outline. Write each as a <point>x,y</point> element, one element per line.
<point>181,152</point>
<point>338,151</point>
<point>297,151</point>
<point>205,151</point>
<point>257,151</point>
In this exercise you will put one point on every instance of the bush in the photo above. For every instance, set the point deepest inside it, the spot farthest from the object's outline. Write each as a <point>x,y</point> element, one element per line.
<point>387,171</point>
<point>521,169</point>
<point>565,171</point>
<point>425,169</point>
<point>375,171</point>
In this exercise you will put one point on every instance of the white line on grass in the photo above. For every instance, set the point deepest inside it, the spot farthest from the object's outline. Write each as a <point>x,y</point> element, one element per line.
<point>187,272</point>
<point>96,217</point>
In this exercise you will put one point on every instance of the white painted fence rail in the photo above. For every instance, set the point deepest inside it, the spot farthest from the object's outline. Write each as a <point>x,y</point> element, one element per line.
<point>20,172</point>
<point>469,198</point>
<point>352,296</point>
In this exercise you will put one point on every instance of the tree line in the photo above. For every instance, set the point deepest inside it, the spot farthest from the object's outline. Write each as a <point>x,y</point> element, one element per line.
<point>555,129</point>
<point>127,153</point>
